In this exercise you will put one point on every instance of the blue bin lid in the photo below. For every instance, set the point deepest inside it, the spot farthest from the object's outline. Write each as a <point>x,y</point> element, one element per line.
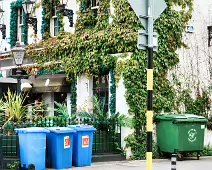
<point>82,127</point>
<point>32,130</point>
<point>61,130</point>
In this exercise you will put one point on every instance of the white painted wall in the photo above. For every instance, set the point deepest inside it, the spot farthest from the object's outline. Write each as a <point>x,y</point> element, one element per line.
<point>75,7</point>
<point>32,38</point>
<point>195,62</point>
<point>112,11</point>
<point>122,107</point>
<point>84,93</point>
<point>69,103</point>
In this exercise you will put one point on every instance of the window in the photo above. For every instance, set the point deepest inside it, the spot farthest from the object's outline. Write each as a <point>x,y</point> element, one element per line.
<point>101,90</point>
<point>55,25</point>
<point>20,33</point>
<point>94,4</point>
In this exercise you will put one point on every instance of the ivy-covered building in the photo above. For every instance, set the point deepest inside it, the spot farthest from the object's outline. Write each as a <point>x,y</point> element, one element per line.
<point>97,55</point>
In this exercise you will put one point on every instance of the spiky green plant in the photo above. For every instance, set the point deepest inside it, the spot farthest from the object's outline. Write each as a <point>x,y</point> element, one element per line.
<point>62,110</point>
<point>14,105</point>
<point>103,120</point>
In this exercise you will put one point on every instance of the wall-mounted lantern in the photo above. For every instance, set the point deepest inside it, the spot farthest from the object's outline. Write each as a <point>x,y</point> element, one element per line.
<point>28,6</point>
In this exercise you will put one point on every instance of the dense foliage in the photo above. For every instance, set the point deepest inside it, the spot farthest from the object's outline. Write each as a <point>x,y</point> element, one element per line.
<point>88,51</point>
<point>14,23</point>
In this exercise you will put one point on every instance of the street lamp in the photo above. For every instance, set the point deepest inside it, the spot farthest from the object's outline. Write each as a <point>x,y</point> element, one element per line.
<point>18,52</point>
<point>66,12</point>
<point>28,6</point>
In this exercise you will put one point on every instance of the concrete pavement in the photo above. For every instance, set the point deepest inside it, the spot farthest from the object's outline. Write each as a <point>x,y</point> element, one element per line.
<point>205,163</point>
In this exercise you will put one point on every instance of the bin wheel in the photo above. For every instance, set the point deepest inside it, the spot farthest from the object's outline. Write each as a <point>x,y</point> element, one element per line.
<point>198,156</point>
<point>31,167</point>
<point>19,166</point>
<point>180,157</point>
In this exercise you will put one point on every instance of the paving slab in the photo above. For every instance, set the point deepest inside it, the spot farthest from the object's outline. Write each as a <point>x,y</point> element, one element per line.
<point>205,163</point>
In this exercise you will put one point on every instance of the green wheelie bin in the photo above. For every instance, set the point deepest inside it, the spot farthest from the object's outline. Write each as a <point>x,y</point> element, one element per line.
<point>180,133</point>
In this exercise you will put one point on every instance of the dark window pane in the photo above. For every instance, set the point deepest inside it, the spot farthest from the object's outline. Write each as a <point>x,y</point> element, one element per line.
<point>101,90</point>
<point>21,16</point>
<point>56,28</point>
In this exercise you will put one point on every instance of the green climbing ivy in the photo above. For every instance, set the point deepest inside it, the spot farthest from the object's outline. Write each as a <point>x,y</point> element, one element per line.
<point>14,6</point>
<point>73,94</point>
<point>112,92</point>
<point>46,16</point>
<point>88,51</point>
<point>45,27</point>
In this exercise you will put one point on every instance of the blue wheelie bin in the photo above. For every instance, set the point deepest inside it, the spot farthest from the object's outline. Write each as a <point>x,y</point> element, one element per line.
<point>60,147</point>
<point>32,143</point>
<point>83,141</point>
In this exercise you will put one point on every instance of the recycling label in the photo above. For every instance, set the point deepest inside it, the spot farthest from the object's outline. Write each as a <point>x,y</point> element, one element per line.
<point>67,142</point>
<point>192,135</point>
<point>85,141</point>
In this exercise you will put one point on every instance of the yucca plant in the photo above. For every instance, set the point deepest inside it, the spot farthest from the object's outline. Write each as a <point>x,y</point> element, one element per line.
<point>14,108</point>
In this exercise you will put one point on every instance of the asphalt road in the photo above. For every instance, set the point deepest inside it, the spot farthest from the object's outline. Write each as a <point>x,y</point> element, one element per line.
<point>205,163</point>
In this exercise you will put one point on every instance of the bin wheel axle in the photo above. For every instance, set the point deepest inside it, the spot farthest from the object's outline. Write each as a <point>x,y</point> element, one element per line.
<point>31,167</point>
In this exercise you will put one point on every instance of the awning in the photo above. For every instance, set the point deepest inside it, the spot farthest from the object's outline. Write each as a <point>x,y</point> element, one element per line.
<point>14,81</point>
<point>54,80</point>
<point>51,83</point>
<point>61,89</point>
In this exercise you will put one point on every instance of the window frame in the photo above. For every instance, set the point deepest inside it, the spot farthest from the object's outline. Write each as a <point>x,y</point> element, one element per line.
<point>102,88</point>
<point>20,25</point>
<point>54,22</point>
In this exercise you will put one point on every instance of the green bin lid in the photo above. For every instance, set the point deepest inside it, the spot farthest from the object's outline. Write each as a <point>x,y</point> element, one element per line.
<point>182,118</point>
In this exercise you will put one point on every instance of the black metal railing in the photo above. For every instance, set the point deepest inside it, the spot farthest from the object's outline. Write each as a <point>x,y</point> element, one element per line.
<point>107,140</point>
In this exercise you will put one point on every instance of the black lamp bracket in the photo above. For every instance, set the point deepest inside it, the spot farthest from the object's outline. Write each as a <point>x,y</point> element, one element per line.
<point>69,13</point>
<point>3,30</point>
